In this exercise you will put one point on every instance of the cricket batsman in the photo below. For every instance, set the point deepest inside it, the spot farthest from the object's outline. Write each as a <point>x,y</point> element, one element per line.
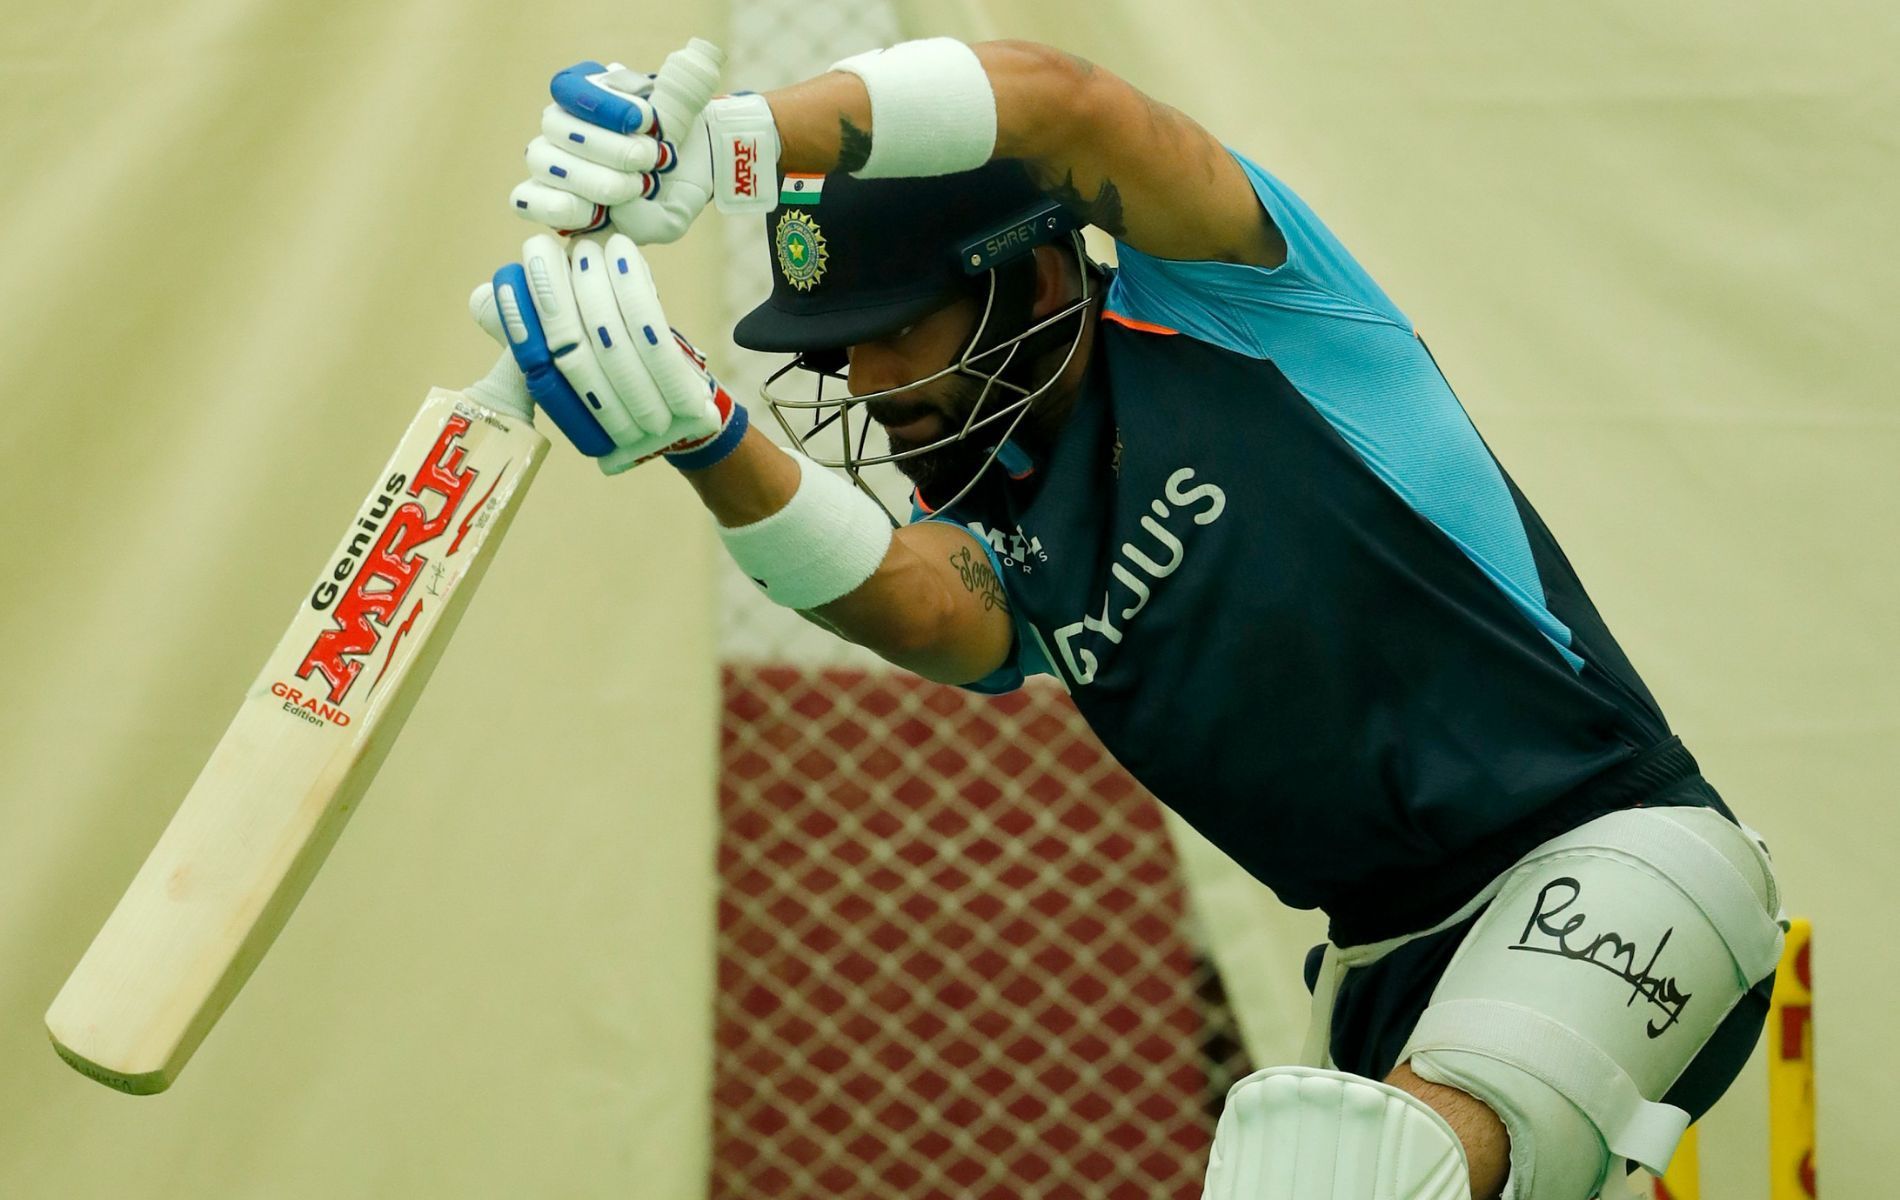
<point>1224,494</point>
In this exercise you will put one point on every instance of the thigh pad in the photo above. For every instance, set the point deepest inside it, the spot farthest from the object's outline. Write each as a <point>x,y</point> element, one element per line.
<point>1605,962</point>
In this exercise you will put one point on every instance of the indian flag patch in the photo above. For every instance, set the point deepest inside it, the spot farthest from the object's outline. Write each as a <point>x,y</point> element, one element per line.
<point>801,189</point>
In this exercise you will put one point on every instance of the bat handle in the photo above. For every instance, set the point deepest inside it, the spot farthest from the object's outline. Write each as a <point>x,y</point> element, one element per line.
<point>503,389</point>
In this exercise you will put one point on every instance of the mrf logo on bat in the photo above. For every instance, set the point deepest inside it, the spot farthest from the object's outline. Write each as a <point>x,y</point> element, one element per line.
<point>378,569</point>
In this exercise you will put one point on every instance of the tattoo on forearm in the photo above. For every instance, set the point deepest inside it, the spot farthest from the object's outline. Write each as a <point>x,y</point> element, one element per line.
<point>1104,211</point>
<point>979,580</point>
<point>854,146</point>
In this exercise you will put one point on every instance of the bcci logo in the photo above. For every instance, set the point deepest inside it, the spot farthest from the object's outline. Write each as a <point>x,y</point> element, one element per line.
<point>801,250</point>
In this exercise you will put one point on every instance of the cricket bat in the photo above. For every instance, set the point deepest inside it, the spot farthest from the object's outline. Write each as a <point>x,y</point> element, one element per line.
<point>317,722</point>
<point>305,743</point>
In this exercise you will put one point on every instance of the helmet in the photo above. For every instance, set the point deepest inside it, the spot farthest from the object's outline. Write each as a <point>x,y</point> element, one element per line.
<point>858,259</point>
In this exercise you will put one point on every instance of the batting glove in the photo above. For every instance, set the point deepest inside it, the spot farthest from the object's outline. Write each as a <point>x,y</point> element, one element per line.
<point>586,330</point>
<point>643,153</point>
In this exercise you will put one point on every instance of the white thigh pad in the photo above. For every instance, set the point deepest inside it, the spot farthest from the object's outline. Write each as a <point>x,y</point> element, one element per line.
<point>1602,967</point>
<point>1303,1133</point>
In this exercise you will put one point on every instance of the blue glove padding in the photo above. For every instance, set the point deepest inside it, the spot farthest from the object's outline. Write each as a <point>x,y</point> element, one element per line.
<point>550,389</point>
<point>580,96</point>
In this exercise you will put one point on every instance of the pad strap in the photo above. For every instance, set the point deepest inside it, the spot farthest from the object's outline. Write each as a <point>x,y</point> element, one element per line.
<point>1317,1051</point>
<point>1632,1127</point>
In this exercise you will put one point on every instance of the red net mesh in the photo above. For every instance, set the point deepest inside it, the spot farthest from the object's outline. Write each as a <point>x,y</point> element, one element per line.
<point>952,959</point>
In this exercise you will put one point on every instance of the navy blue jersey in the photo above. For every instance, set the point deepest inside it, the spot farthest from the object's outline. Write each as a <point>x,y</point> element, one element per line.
<point>1295,595</point>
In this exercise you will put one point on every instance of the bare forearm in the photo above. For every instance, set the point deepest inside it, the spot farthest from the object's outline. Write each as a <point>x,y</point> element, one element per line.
<point>750,484</point>
<point>933,606</point>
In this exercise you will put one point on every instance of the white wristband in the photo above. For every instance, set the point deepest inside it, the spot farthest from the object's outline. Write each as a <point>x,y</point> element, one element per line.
<point>824,543</point>
<point>745,150</point>
<point>933,111</point>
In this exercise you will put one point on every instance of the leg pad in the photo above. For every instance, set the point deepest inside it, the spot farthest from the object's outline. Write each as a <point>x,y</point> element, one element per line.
<point>1302,1133</point>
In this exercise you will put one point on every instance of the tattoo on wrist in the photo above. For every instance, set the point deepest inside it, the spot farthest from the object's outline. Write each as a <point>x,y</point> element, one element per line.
<point>854,146</point>
<point>979,580</point>
<point>1104,211</point>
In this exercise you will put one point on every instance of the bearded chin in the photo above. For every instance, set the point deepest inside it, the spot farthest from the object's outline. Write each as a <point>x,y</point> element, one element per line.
<point>943,472</point>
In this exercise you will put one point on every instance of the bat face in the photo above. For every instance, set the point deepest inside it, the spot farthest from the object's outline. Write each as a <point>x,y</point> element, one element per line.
<point>304,745</point>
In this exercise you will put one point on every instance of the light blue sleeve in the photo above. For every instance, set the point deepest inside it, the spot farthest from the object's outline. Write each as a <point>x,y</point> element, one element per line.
<point>1025,657</point>
<point>1226,303</point>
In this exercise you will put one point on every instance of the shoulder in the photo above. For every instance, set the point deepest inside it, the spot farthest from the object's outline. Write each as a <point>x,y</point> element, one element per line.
<point>1229,303</point>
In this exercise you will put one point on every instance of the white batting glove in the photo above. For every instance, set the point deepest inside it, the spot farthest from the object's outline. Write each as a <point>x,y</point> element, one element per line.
<point>586,329</point>
<point>645,152</point>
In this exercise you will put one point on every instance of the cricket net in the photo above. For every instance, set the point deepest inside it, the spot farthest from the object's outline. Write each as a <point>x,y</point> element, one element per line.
<point>953,952</point>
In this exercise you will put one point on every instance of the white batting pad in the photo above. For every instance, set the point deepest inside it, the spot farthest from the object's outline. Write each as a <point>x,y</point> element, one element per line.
<point>1303,1133</point>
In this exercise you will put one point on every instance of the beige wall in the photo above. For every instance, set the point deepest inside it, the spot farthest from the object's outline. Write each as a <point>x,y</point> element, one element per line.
<point>1653,248</point>
<point>235,246</point>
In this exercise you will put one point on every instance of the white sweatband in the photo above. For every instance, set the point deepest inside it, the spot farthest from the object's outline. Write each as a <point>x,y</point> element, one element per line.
<point>821,545</point>
<point>933,111</point>
<point>745,150</point>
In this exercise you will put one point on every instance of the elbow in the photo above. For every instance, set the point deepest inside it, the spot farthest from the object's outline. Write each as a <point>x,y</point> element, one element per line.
<point>921,636</point>
<point>932,643</point>
<point>905,634</point>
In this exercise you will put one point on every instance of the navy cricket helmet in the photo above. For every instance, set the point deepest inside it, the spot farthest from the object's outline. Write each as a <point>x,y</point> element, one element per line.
<point>854,260</point>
